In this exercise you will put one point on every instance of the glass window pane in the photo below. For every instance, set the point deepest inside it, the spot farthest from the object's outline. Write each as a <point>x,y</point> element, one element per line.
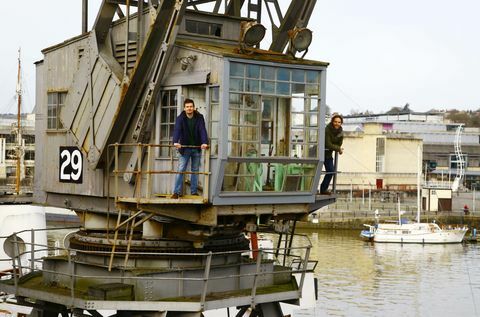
<point>268,87</point>
<point>283,74</point>
<point>298,119</point>
<point>203,28</point>
<point>191,26</point>
<point>267,109</point>
<point>313,120</point>
<point>215,94</point>
<point>312,90</point>
<point>215,112</point>
<point>237,69</point>
<point>268,72</point>
<point>173,115</point>
<point>313,136</point>
<point>283,88</point>
<point>312,76</point>
<point>236,84</point>
<point>214,132</point>
<point>298,75</point>
<point>253,71</point>
<point>252,85</point>
<point>313,104</point>
<point>235,98</point>
<point>250,117</point>
<point>163,115</point>
<point>298,105</point>
<point>252,102</point>
<point>298,89</point>
<point>234,117</point>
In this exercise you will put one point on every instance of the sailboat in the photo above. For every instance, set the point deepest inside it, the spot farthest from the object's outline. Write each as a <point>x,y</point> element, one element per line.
<point>413,232</point>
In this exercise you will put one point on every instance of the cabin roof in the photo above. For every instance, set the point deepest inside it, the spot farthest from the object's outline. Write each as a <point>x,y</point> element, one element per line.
<point>226,50</point>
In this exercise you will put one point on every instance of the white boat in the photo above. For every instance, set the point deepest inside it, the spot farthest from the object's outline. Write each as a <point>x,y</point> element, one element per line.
<point>416,232</point>
<point>413,232</point>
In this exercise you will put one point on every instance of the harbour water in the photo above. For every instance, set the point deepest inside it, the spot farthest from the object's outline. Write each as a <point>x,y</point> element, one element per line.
<point>358,278</point>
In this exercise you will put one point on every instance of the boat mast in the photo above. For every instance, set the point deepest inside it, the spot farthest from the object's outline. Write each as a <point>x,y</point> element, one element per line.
<point>419,177</point>
<point>19,135</point>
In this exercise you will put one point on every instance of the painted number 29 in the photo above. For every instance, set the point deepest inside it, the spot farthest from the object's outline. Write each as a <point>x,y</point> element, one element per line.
<point>71,163</point>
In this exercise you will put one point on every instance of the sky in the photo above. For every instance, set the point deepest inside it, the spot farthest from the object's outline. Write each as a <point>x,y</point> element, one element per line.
<point>382,53</point>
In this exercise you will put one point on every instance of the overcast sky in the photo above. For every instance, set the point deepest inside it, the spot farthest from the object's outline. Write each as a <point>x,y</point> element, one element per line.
<point>382,53</point>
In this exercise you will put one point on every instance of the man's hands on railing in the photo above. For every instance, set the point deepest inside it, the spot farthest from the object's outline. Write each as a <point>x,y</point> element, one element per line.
<point>203,146</point>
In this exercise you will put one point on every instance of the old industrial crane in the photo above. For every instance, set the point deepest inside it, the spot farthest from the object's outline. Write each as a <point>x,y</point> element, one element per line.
<point>108,99</point>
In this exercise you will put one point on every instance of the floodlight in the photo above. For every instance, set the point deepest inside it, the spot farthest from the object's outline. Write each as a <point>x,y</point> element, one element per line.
<point>300,40</point>
<point>252,33</point>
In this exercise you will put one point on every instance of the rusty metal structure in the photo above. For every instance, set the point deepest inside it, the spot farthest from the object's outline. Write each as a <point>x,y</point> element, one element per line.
<point>108,100</point>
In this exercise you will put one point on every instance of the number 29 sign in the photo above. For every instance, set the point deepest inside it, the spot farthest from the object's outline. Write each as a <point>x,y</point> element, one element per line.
<point>71,165</point>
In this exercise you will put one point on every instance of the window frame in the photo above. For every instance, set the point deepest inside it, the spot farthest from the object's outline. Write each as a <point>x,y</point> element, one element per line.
<point>59,127</point>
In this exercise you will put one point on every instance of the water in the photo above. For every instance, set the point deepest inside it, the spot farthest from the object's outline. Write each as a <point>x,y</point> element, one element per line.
<point>357,278</point>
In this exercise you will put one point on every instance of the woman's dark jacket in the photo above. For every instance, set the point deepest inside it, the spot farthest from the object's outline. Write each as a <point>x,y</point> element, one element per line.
<point>333,140</point>
<point>180,132</point>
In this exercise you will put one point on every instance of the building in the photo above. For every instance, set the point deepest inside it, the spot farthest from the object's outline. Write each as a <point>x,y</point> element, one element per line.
<point>438,136</point>
<point>8,144</point>
<point>379,159</point>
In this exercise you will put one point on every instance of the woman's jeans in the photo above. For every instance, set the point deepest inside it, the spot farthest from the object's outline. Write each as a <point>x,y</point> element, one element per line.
<point>329,169</point>
<point>194,155</point>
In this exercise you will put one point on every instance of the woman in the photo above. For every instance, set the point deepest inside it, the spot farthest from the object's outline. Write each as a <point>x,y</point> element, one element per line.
<point>333,142</point>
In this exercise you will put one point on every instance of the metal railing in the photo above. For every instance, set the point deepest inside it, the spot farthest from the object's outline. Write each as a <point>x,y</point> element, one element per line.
<point>148,172</point>
<point>298,263</point>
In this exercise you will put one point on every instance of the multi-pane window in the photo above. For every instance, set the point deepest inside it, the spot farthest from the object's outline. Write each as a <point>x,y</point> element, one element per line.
<point>380,155</point>
<point>168,115</point>
<point>203,28</point>
<point>214,119</point>
<point>456,162</point>
<point>261,96</point>
<point>55,103</point>
<point>273,116</point>
<point>29,155</point>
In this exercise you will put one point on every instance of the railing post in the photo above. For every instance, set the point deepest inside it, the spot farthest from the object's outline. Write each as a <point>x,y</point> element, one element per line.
<point>17,254</point>
<point>305,264</point>
<point>32,250</point>
<point>206,276</point>
<point>71,265</point>
<point>116,173</point>
<point>149,175</point>
<point>206,182</point>
<point>139,173</point>
<point>255,279</point>
<point>335,173</point>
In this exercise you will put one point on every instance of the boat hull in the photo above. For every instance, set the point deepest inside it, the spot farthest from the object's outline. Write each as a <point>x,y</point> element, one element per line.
<point>417,233</point>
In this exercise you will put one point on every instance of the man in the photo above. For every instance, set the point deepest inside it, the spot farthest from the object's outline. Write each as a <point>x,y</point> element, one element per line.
<point>189,137</point>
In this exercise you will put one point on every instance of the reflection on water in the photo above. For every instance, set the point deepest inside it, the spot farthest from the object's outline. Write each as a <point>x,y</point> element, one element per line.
<point>357,278</point>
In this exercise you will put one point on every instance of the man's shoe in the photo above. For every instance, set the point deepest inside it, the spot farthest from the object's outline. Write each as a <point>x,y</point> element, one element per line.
<point>325,193</point>
<point>194,194</point>
<point>174,196</point>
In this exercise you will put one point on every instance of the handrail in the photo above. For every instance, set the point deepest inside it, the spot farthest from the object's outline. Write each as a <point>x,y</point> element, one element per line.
<point>140,171</point>
<point>19,268</point>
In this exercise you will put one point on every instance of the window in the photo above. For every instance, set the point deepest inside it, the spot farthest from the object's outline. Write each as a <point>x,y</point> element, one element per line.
<point>168,115</point>
<point>214,119</point>
<point>380,156</point>
<point>29,155</point>
<point>456,163</point>
<point>273,122</point>
<point>204,28</point>
<point>56,101</point>
<point>29,138</point>
<point>9,138</point>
